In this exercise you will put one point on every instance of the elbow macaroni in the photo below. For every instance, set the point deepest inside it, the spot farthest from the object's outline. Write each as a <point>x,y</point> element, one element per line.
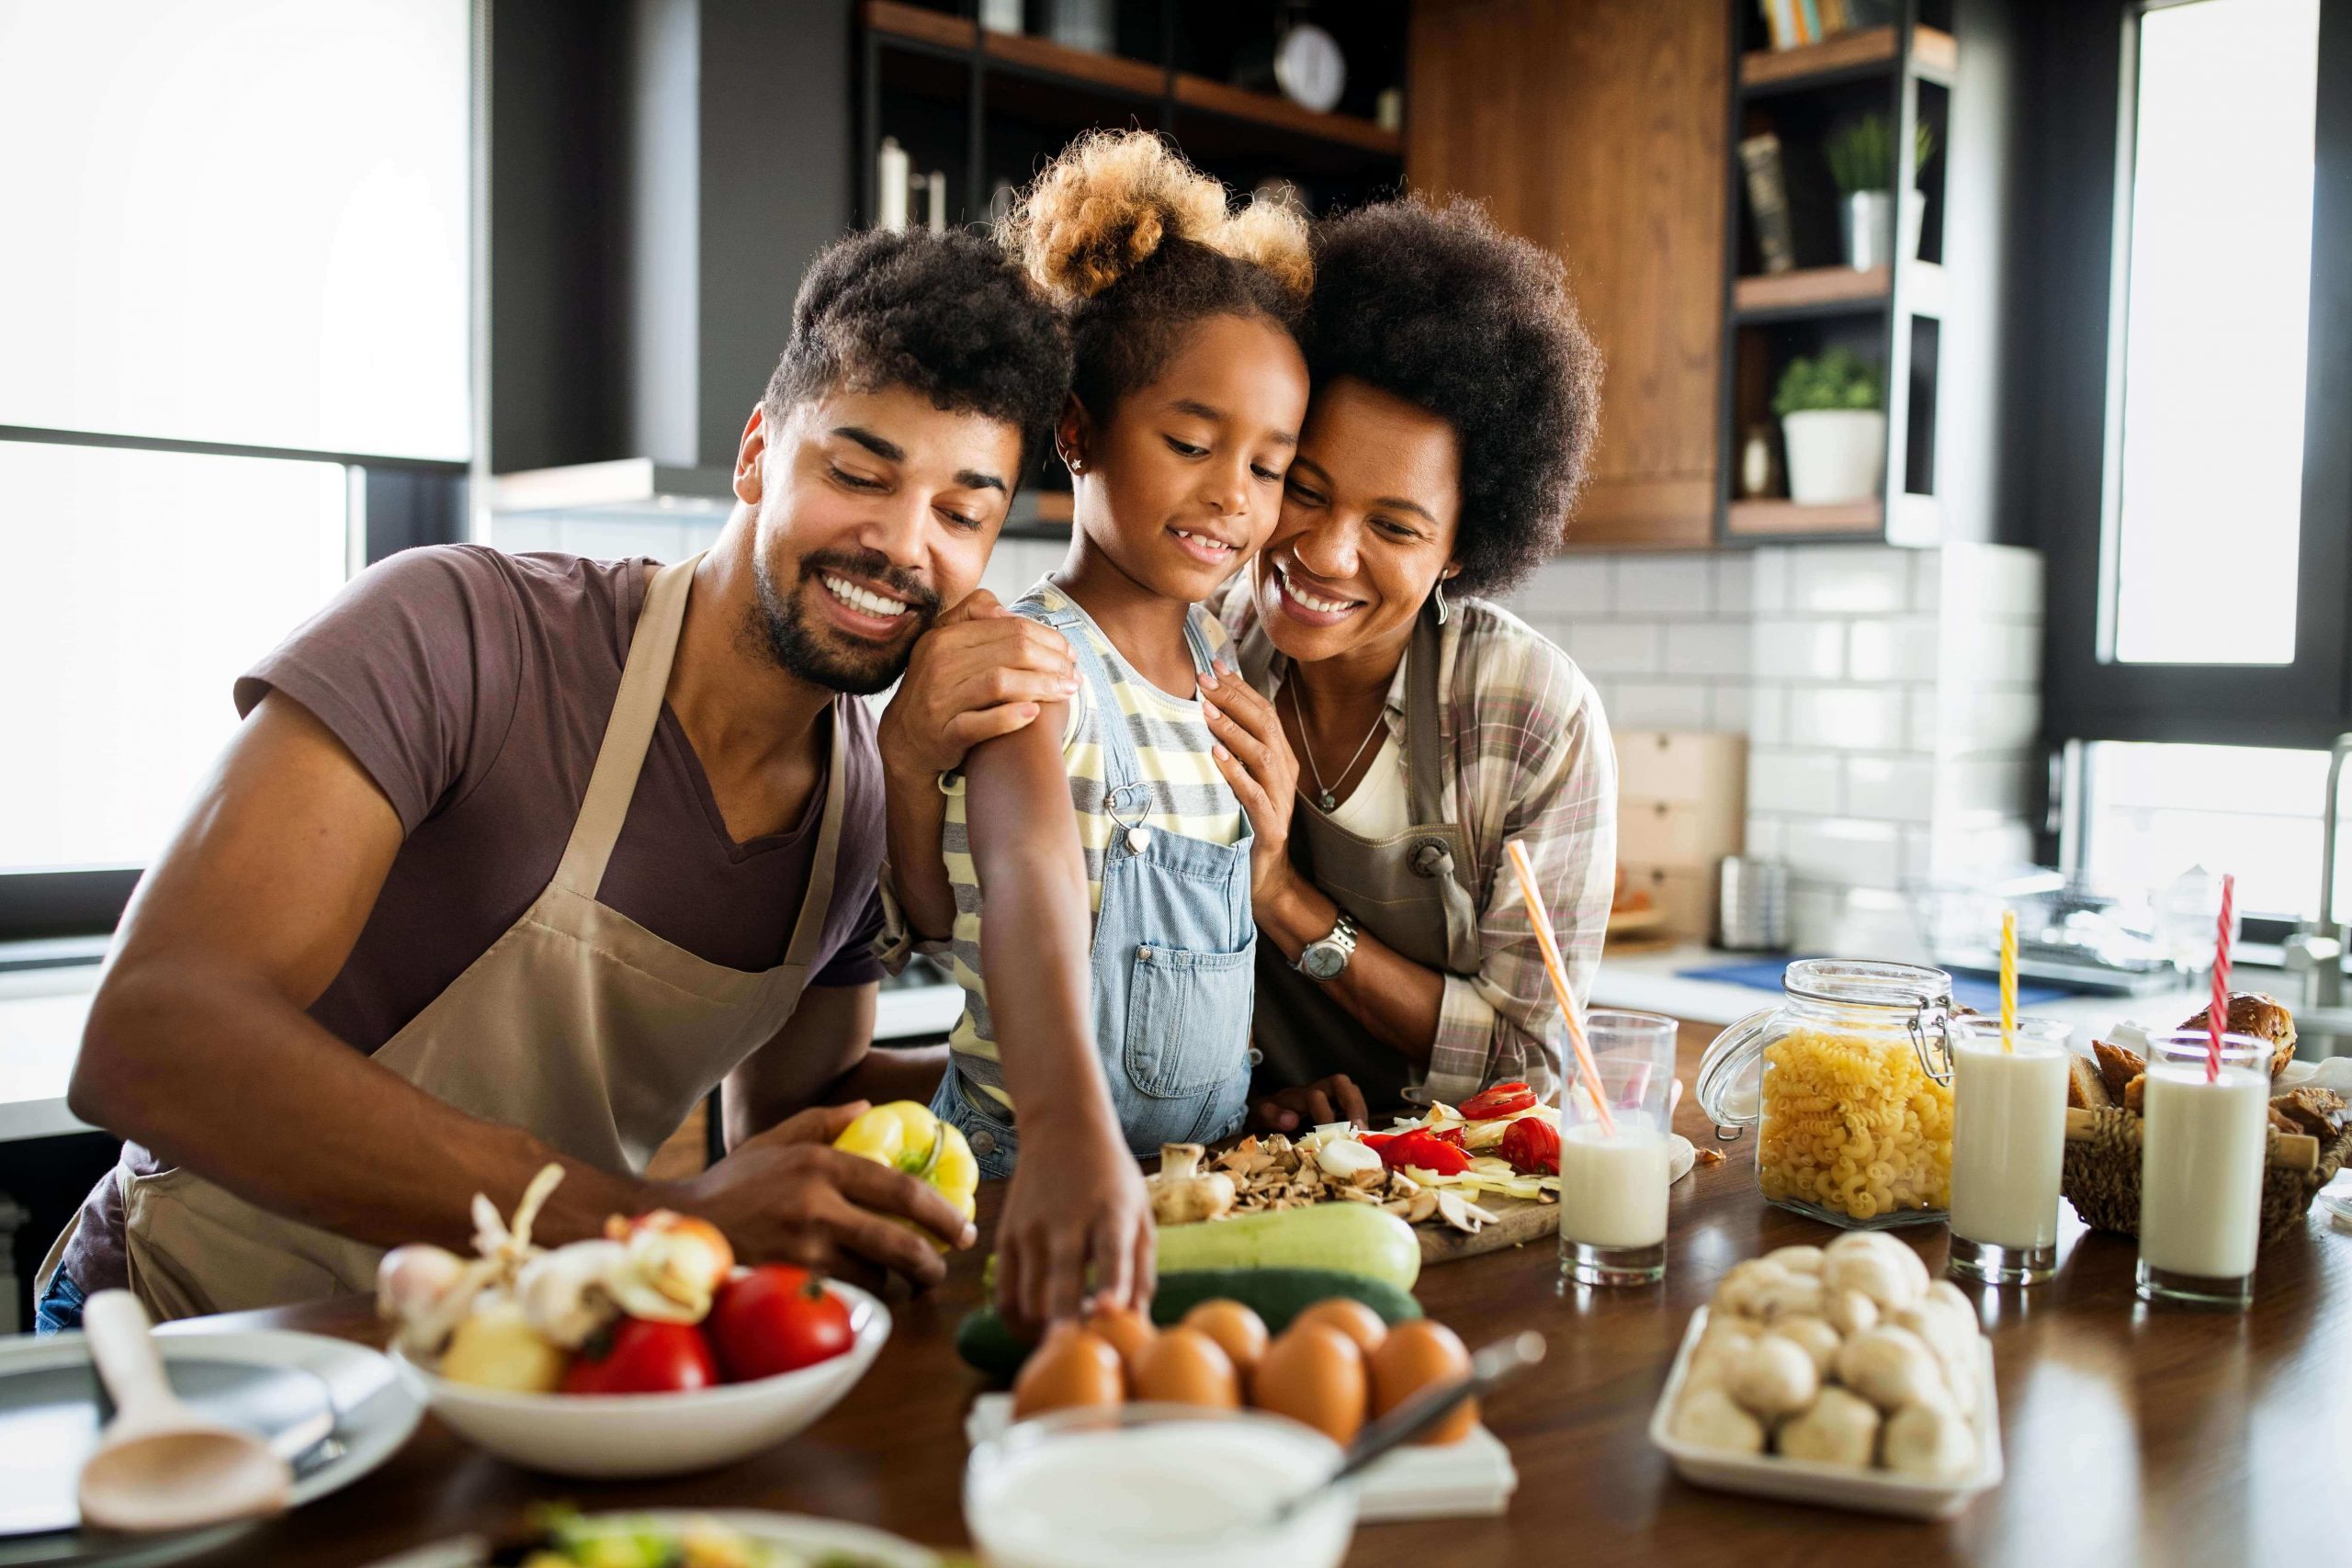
<point>1852,1126</point>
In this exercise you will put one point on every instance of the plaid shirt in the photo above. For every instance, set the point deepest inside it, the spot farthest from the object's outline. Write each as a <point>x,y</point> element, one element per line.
<point>1526,755</point>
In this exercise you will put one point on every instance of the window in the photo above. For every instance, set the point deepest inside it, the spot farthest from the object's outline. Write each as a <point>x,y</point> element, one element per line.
<point>2215,321</point>
<point>2154,811</point>
<point>236,364</point>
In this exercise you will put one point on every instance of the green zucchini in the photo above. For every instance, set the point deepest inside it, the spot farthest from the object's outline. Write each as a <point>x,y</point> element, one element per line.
<point>1351,1238</point>
<point>987,1342</point>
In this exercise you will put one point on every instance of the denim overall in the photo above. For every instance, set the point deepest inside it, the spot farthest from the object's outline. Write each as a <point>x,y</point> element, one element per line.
<point>1174,959</point>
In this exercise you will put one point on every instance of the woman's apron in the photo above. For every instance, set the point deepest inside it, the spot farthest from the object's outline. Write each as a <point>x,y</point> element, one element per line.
<point>579,1026</point>
<point>1412,891</point>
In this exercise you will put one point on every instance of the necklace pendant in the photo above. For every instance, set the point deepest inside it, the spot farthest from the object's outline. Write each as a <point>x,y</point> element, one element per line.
<point>1327,801</point>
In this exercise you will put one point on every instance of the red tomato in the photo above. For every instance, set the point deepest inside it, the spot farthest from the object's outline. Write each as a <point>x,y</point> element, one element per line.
<point>1501,1099</point>
<point>776,1319</point>
<point>1426,1150</point>
<point>1532,1147</point>
<point>643,1356</point>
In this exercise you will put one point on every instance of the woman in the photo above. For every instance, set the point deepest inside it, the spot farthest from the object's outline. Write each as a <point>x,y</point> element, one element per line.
<point>1394,731</point>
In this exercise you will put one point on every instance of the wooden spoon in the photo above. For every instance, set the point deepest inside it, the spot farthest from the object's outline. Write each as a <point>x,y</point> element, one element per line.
<point>160,1465</point>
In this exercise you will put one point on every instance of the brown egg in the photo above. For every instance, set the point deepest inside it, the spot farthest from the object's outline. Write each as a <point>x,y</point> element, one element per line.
<point>1184,1366</point>
<point>1126,1330</point>
<point>1238,1332</point>
<point>1069,1369</point>
<point>1415,1355</point>
<point>1314,1374</point>
<point>1350,1317</point>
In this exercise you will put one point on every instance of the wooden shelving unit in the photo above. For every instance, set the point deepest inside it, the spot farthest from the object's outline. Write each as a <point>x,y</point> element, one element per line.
<point>1891,315</point>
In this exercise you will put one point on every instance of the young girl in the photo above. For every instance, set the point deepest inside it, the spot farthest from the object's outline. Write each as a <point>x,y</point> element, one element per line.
<point>1106,945</point>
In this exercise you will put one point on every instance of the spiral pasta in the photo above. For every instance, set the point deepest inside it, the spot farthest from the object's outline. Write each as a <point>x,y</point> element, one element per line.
<point>1852,1126</point>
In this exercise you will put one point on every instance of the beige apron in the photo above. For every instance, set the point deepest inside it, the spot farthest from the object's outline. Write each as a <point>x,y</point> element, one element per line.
<point>579,1026</point>
<point>1412,891</point>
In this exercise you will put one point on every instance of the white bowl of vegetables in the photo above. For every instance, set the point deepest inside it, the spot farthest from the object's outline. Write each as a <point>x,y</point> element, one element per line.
<point>646,1353</point>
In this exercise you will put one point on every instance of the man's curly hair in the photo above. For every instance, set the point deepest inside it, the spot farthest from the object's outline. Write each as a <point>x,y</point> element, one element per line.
<point>947,315</point>
<point>1435,305</point>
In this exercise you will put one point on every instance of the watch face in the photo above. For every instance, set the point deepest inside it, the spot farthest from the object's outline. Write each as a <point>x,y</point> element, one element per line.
<point>1323,960</point>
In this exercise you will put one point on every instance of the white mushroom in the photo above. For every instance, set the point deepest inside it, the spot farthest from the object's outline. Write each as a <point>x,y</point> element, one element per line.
<point>1951,1336</point>
<point>1891,1368</point>
<point>1840,1429</point>
<point>1350,1161</point>
<point>1929,1439</point>
<point>1796,1259</point>
<point>1707,1418</point>
<point>1774,1377</point>
<point>1878,1265</point>
<point>1848,1312</point>
<point>1816,1338</point>
<point>1797,1295</point>
<point>1744,1284</point>
<point>1719,1350</point>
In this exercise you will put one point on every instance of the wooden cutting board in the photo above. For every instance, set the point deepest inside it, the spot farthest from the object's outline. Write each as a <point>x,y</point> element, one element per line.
<point>1516,1223</point>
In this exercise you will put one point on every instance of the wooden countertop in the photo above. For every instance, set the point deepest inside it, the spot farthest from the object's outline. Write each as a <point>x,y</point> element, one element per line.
<point>2133,1435</point>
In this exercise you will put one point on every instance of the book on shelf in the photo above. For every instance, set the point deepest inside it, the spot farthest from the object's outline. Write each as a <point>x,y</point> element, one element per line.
<point>1768,202</point>
<point>1812,9</point>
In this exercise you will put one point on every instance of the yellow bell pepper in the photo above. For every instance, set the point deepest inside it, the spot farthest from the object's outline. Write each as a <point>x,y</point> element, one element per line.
<point>905,1137</point>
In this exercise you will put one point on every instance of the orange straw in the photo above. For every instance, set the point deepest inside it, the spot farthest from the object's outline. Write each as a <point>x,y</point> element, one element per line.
<point>1541,919</point>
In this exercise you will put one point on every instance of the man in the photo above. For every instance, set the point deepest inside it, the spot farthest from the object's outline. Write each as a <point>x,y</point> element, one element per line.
<point>513,858</point>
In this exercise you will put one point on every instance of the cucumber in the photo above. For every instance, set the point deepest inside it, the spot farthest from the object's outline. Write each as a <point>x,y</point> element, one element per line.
<point>1351,1238</point>
<point>1277,1295</point>
<point>987,1343</point>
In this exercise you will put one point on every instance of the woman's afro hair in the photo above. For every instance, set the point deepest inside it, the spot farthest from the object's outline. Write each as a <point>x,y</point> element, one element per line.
<point>946,315</point>
<point>1134,243</point>
<point>1434,304</point>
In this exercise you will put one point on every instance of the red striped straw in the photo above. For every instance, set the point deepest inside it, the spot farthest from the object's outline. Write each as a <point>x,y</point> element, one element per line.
<point>2217,1017</point>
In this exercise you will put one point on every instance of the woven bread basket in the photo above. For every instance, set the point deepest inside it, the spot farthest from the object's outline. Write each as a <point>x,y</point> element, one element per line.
<point>2101,1176</point>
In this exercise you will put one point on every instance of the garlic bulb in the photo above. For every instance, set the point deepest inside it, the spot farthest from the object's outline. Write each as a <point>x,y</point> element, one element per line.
<point>567,1294</point>
<point>673,1265</point>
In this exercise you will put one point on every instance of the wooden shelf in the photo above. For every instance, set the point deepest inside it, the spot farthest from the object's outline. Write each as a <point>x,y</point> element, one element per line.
<point>1933,53</point>
<point>1812,290</point>
<point>1264,108</point>
<point>917,25</point>
<point>1115,71</point>
<point>1752,519</point>
<point>1043,57</point>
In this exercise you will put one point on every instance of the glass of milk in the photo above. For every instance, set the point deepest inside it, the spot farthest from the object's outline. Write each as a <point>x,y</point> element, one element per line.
<point>1613,1186</point>
<point>2203,1148</point>
<point>2009,1139</point>
<point>1155,1487</point>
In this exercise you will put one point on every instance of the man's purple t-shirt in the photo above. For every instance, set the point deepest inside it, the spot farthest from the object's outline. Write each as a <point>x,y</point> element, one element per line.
<point>473,687</point>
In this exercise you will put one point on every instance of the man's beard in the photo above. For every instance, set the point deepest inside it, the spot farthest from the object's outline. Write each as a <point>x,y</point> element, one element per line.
<point>826,657</point>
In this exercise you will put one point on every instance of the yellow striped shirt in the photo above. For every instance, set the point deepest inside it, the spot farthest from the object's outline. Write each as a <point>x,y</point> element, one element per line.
<point>1188,796</point>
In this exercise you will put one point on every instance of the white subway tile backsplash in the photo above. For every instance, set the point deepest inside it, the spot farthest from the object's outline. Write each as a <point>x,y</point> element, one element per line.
<point>1665,585</point>
<point>1735,584</point>
<point>1792,781</point>
<point>1894,789</point>
<point>1902,649</point>
<point>1569,586</point>
<point>1799,650</point>
<point>1706,648</point>
<point>1767,714</point>
<point>1918,856</point>
<point>1768,586</point>
<point>1730,707</point>
<point>1840,850</point>
<point>1616,647</point>
<point>1923,725</point>
<point>1850,579</point>
<point>618,539</point>
<point>1854,718</point>
<point>1927,580</point>
<point>1659,704</point>
<point>521,535</point>
<point>1766,837</point>
<point>1816,914</point>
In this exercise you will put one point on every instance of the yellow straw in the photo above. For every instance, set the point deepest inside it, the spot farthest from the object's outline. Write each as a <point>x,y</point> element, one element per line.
<point>1541,919</point>
<point>2008,979</point>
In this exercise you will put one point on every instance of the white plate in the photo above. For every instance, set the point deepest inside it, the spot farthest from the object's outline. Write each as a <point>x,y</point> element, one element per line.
<point>642,1435</point>
<point>1832,1485</point>
<point>1469,1480</point>
<point>374,1416</point>
<point>796,1532</point>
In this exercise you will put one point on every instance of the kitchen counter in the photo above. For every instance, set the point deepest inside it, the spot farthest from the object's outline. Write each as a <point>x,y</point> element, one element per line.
<point>2132,1434</point>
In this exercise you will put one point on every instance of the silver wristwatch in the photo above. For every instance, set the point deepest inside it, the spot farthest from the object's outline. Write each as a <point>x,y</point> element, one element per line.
<point>1325,957</point>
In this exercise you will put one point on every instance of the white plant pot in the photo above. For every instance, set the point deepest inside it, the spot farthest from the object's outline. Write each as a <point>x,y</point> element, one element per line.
<point>1835,455</point>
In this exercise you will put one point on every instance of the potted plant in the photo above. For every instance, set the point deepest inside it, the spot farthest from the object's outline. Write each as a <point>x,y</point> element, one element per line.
<point>1833,424</point>
<point>1861,161</point>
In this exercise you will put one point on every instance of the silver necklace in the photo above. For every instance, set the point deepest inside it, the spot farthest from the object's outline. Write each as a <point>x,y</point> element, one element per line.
<point>1324,798</point>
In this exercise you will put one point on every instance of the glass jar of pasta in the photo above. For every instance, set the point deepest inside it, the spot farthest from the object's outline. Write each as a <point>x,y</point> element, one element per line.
<point>1847,1084</point>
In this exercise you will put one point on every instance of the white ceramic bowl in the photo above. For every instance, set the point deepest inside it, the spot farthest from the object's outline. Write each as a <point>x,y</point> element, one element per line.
<point>1155,1487</point>
<point>607,1436</point>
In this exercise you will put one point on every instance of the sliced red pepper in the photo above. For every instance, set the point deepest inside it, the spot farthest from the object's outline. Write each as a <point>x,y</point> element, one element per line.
<point>1499,1100</point>
<point>1533,1147</point>
<point>1425,1149</point>
<point>1454,1135</point>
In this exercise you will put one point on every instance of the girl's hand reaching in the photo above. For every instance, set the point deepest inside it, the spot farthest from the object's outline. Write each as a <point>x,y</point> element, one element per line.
<point>1255,757</point>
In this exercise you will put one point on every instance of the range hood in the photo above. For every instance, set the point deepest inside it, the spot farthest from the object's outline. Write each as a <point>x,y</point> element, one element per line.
<point>650,219</point>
